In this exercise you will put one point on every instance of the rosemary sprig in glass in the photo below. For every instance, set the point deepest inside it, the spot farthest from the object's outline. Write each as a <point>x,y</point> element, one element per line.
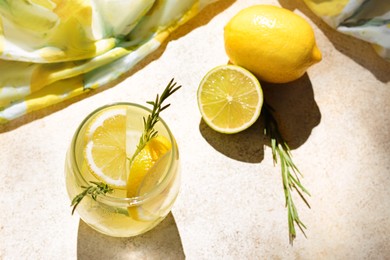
<point>149,123</point>
<point>289,170</point>
<point>101,188</point>
<point>97,188</point>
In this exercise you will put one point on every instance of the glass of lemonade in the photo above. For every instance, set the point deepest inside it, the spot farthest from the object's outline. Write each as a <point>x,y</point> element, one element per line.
<point>143,193</point>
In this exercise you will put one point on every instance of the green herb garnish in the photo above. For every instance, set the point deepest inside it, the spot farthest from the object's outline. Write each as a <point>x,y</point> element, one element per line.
<point>289,170</point>
<point>149,131</point>
<point>101,188</point>
<point>98,188</point>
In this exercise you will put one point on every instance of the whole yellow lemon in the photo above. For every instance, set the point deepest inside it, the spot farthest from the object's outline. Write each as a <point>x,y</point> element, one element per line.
<point>273,43</point>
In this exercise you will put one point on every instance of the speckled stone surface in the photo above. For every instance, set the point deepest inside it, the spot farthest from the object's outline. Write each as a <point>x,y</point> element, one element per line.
<point>231,205</point>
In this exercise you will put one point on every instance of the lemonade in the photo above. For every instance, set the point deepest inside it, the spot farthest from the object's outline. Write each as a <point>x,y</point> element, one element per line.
<point>140,197</point>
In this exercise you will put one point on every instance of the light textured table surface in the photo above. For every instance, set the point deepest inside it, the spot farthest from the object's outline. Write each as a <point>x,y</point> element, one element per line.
<point>231,205</point>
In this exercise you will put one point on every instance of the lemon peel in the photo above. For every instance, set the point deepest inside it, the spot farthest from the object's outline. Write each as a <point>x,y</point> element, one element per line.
<point>273,43</point>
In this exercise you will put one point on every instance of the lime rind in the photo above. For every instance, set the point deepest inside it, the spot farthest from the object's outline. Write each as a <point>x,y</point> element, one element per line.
<point>230,99</point>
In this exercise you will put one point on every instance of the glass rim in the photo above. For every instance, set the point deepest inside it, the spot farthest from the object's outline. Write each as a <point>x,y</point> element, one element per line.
<point>129,201</point>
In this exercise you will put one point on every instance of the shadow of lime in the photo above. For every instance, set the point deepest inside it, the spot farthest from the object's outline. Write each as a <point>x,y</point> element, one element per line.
<point>295,111</point>
<point>162,242</point>
<point>245,146</point>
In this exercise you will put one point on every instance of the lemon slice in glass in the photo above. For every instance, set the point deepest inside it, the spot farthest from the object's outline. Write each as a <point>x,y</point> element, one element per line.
<point>109,139</point>
<point>157,206</point>
<point>230,99</point>
<point>146,171</point>
<point>105,149</point>
<point>144,161</point>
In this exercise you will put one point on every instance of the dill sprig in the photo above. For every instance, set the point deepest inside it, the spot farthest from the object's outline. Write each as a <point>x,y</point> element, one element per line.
<point>149,123</point>
<point>98,188</point>
<point>101,188</point>
<point>289,170</point>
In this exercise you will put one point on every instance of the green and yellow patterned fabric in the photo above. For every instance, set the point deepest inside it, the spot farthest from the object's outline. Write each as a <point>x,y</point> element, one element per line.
<point>52,50</point>
<point>368,20</point>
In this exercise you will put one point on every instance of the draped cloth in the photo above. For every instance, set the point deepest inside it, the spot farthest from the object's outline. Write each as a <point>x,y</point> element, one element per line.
<point>368,20</point>
<point>53,50</point>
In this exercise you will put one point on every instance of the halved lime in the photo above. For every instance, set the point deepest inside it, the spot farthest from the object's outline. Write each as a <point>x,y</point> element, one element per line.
<point>230,99</point>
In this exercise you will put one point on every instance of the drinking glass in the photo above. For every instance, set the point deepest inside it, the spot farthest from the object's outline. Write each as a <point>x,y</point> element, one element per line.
<point>115,214</point>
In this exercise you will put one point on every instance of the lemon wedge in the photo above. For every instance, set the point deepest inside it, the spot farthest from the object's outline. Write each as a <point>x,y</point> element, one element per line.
<point>146,170</point>
<point>143,163</point>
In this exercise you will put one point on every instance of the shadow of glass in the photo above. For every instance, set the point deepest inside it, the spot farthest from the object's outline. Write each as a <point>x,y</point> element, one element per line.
<point>246,146</point>
<point>358,50</point>
<point>295,109</point>
<point>162,242</point>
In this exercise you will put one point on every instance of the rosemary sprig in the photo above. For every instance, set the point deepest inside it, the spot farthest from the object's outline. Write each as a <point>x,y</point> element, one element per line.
<point>289,171</point>
<point>149,123</point>
<point>101,188</point>
<point>98,188</point>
